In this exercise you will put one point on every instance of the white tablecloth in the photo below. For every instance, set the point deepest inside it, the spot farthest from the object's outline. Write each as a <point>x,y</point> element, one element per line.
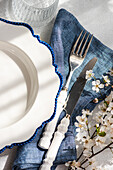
<point>96,16</point>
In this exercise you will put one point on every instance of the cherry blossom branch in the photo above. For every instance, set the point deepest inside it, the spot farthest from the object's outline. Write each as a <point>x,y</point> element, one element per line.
<point>80,156</point>
<point>97,152</point>
<point>92,149</point>
<point>93,134</point>
<point>111,147</point>
<point>103,125</point>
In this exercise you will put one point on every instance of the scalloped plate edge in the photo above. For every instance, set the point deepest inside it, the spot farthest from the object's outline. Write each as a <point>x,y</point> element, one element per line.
<point>56,71</point>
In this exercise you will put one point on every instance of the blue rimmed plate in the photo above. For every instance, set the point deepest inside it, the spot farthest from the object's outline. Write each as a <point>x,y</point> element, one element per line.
<point>29,83</point>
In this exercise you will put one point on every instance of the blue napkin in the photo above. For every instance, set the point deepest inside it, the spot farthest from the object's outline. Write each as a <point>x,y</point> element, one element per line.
<point>66,29</point>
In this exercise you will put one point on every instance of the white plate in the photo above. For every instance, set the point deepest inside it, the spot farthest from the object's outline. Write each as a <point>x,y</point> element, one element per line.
<point>28,84</point>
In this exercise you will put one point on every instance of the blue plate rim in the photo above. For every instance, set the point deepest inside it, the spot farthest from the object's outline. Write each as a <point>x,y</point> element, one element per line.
<point>56,71</point>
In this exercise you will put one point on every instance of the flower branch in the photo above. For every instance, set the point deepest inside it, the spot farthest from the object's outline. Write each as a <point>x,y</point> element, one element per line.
<point>94,154</point>
<point>95,130</point>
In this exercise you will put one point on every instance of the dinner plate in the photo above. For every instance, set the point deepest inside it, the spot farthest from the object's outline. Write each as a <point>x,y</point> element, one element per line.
<point>29,84</point>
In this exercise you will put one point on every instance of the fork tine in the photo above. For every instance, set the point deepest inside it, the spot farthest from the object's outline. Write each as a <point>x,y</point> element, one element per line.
<point>74,46</point>
<point>88,46</point>
<point>80,43</point>
<point>84,45</point>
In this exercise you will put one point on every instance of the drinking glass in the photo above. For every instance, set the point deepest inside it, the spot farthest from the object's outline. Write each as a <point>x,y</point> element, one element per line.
<point>35,12</point>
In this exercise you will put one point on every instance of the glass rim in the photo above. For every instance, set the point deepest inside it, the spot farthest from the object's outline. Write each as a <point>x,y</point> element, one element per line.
<point>37,8</point>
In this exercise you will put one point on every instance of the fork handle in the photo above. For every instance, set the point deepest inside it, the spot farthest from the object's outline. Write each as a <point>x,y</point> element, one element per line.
<point>53,149</point>
<point>44,142</point>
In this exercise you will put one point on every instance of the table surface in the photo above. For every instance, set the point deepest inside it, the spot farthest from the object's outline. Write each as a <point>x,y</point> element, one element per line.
<point>96,16</point>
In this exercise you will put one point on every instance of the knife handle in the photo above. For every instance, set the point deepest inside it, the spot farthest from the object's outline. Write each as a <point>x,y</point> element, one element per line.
<point>44,142</point>
<point>53,149</point>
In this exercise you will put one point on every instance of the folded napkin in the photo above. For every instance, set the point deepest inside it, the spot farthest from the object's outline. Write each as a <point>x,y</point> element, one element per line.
<point>66,29</point>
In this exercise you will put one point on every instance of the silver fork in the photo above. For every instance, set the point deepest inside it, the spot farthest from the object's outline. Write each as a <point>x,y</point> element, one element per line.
<point>79,51</point>
<point>78,54</point>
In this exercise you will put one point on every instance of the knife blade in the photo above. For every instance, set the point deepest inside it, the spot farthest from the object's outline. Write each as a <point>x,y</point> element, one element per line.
<point>74,95</point>
<point>78,86</point>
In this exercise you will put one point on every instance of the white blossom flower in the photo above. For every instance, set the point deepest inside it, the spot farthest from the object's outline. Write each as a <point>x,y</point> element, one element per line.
<point>89,74</point>
<point>81,135</point>
<point>96,85</point>
<point>87,152</point>
<point>108,121</point>
<point>98,117</point>
<point>88,143</point>
<point>95,100</point>
<point>80,127</point>
<point>109,98</point>
<point>100,141</point>
<point>92,161</point>
<point>103,109</point>
<point>106,79</point>
<point>110,108</point>
<point>82,121</point>
<point>103,129</point>
<point>111,72</point>
<point>111,133</point>
<point>86,112</point>
<point>73,164</point>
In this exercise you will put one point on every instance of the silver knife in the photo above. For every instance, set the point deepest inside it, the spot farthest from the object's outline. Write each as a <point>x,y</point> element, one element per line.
<point>62,128</point>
